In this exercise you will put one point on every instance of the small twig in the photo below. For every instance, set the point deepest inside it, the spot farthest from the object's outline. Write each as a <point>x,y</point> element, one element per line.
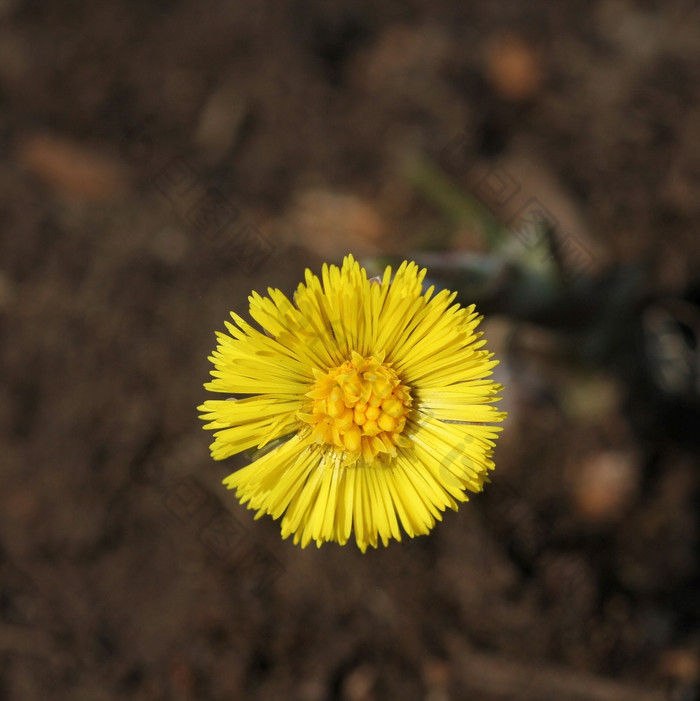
<point>498,676</point>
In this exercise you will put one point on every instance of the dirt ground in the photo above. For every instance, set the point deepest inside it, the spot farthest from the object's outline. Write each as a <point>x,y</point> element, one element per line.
<point>161,159</point>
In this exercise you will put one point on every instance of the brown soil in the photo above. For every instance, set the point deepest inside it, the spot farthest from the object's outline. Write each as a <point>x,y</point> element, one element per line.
<point>161,159</point>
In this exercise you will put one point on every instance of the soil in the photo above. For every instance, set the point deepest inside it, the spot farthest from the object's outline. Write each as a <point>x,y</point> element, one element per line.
<point>160,160</point>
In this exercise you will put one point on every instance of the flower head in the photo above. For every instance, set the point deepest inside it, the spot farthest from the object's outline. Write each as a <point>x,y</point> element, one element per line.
<point>371,396</point>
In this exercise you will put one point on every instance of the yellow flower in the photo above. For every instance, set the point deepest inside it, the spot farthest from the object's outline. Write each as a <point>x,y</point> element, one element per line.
<point>371,397</point>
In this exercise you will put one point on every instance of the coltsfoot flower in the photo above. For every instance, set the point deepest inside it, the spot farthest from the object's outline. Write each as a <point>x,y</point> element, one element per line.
<point>371,396</point>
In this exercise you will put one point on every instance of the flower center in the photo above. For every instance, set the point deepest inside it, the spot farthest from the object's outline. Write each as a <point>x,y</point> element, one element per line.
<point>360,407</point>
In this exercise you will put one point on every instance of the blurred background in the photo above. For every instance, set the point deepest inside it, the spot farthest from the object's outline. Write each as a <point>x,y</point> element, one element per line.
<point>160,159</point>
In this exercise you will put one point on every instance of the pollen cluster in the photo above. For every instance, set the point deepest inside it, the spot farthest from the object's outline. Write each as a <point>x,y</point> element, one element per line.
<point>359,407</point>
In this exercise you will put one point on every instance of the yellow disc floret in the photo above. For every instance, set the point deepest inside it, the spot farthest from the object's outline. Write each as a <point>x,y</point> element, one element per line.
<point>359,407</point>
